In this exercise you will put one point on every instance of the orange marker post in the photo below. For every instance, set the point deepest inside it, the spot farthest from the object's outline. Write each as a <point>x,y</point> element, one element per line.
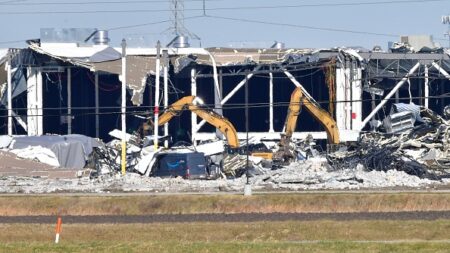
<point>58,229</point>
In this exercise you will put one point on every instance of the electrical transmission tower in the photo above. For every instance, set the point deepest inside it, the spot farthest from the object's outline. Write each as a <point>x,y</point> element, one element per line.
<point>446,21</point>
<point>178,29</point>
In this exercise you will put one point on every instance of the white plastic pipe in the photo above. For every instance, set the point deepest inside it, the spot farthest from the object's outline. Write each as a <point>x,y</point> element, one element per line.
<point>215,75</point>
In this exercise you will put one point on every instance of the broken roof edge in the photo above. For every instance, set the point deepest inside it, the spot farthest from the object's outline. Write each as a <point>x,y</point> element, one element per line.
<point>213,56</point>
<point>3,55</point>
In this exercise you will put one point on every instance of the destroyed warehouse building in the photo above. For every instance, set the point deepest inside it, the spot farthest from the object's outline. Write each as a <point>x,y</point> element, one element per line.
<point>391,103</point>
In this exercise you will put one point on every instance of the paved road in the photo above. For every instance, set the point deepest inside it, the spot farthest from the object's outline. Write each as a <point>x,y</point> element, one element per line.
<point>239,217</point>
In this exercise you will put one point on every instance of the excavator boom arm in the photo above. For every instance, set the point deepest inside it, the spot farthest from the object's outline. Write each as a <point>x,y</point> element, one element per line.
<point>175,109</point>
<point>213,118</point>
<point>326,120</point>
<point>220,122</point>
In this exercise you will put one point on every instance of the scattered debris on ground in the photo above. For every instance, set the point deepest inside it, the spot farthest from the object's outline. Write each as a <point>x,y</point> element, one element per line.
<point>298,176</point>
<point>421,150</point>
<point>410,149</point>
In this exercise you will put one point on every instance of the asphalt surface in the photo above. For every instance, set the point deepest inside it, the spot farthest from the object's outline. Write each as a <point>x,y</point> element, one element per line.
<point>238,217</point>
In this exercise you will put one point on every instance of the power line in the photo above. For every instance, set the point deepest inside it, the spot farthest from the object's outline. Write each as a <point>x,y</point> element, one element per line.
<point>147,24</point>
<point>227,106</point>
<point>82,12</point>
<point>303,26</point>
<point>326,5</point>
<point>234,8</point>
<point>11,3</point>
<point>12,41</point>
<point>115,28</point>
<point>138,25</point>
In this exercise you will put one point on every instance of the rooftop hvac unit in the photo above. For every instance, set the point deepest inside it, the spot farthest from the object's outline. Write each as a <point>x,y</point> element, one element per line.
<point>180,41</point>
<point>65,35</point>
<point>101,37</point>
<point>398,122</point>
<point>278,45</point>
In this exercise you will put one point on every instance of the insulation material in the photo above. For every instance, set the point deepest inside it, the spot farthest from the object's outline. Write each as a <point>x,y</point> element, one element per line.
<point>107,54</point>
<point>19,84</point>
<point>211,148</point>
<point>5,140</point>
<point>3,72</point>
<point>3,54</point>
<point>147,161</point>
<point>41,154</point>
<point>138,69</point>
<point>244,56</point>
<point>70,151</point>
<point>3,79</point>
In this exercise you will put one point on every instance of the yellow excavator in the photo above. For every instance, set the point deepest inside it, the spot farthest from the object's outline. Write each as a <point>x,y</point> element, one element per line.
<point>191,103</point>
<point>284,153</point>
<point>301,98</point>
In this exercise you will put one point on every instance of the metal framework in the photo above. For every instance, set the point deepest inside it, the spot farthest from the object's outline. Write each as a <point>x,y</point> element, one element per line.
<point>350,76</point>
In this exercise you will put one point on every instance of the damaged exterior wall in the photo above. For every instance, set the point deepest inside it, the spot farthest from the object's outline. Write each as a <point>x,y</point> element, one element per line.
<point>221,73</point>
<point>138,69</point>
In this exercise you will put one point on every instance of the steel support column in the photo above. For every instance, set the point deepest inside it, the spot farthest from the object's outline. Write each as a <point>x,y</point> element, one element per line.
<point>217,101</point>
<point>97,104</point>
<point>443,72</point>
<point>34,102</point>
<point>166,92</point>
<point>271,130</point>
<point>231,94</point>
<point>69,101</point>
<point>194,127</point>
<point>426,87</point>
<point>124,108</point>
<point>157,85</point>
<point>9,96</point>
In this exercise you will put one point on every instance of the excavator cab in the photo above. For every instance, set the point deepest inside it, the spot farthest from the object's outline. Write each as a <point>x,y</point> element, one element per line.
<point>284,155</point>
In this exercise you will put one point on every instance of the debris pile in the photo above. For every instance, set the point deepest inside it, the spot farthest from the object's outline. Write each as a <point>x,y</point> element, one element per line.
<point>308,175</point>
<point>409,149</point>
<point>422,150</point>
<point>66,151</point>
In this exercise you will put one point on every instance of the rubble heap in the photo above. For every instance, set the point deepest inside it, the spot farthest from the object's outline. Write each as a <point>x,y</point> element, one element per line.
<point>421,151</point>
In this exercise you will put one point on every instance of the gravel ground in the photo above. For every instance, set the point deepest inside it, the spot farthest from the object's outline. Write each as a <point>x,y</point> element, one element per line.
<point>11,165</point>
<point>309,175</point>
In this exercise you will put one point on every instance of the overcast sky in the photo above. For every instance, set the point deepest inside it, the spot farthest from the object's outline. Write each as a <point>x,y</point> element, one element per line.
<point>301,23</point>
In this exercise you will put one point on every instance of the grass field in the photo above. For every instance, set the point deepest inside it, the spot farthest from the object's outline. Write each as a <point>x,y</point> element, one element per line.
<point>289,236</point>
<point>311,236</point>
<point>188,204</point>
<point>219,247</point>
